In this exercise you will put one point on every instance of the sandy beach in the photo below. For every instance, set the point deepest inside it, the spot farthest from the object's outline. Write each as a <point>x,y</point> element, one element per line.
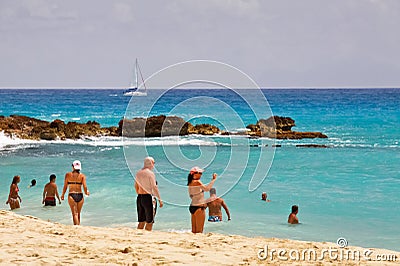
<point>29,240</point>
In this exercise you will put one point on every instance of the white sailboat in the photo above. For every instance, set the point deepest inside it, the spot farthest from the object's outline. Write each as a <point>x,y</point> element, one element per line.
<point>133,89</point>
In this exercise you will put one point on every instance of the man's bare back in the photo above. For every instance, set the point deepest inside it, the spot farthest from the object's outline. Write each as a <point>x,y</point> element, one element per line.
<point>50,192</point>
<point>292,219</point>
<point>50,189</point>
<point>214,205</point>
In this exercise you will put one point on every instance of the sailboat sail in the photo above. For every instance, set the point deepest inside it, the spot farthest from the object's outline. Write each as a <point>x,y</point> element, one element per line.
<point>134,88</point>
<point>136,74</point>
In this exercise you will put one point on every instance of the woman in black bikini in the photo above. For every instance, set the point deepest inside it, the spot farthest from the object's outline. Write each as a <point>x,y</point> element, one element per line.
<point>74,181</point>
<point>196,193</point>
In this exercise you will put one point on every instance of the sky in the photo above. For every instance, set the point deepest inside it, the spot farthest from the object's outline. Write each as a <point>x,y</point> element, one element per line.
<point>279,43</point>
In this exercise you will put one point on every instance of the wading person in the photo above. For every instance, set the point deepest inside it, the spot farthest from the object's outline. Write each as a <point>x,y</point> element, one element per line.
<point>214,205</point>
<point>264,197</point>
<point>50,192</point>
<point>146,187</point>
<point>13,197</point>
<point>196,192</point>
<point>292,219</point>
<point>74,181</point>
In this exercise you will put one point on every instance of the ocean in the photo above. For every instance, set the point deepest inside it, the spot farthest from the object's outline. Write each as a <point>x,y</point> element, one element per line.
<point>349,190</point>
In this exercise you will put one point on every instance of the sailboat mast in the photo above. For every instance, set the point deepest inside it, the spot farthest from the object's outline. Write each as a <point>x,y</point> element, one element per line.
<point>136,74</point>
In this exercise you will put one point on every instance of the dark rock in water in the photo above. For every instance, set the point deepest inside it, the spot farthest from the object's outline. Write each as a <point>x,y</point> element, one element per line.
<point>300,135</point>
<point>253,137</point>
<point>155,126</point>
<point>280,128</point>
<point>111,131</point>
<point>162,126</point>
<point>35,129</point>
<point>203,129</point>
<point>280,123</point>
<point>133,128</point>
<point>22,126</point>
<point>254,131</point>
<point>311,146</point>
<point>58,124</point>
<point>49,134</point>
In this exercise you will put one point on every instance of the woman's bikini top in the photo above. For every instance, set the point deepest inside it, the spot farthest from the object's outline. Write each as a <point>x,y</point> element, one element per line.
<point>75,182</point>
<point>196,194</point>
<point>192,195</point>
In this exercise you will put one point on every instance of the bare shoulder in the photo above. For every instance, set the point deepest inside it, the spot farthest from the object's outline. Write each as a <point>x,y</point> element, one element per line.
<point>148,171</point>
<point>195,183</point>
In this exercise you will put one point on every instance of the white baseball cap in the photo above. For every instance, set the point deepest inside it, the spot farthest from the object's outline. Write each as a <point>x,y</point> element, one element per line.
<point>196,169</point>
<point>77,165</point>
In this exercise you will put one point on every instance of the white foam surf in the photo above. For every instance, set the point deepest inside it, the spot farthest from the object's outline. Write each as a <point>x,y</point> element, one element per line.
<point>8,143</point>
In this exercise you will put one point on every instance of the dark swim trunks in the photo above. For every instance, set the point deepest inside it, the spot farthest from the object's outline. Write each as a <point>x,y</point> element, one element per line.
<point>193,209</point>
<point>50,201</point>
<point>144,205</point>
<point>76,196</point>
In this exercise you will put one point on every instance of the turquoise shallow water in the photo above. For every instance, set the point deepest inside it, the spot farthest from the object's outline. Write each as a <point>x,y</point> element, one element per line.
<point>350,190</point>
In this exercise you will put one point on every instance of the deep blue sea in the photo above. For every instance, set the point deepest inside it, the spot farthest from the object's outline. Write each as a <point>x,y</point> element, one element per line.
<point>350,190</point>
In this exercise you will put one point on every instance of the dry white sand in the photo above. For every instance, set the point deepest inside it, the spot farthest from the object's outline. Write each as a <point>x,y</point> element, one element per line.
<point>28,240</point>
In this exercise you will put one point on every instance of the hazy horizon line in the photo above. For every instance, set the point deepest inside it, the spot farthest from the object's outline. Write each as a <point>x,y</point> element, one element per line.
<point>190,88</point>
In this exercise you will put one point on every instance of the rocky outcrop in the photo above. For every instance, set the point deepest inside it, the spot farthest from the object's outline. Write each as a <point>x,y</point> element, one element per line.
<point>31,128</point>
<point>311,146</point>
<point>155,126</point>
<point>158,126</point>
<point>280,128</point>
<point>203,129</point>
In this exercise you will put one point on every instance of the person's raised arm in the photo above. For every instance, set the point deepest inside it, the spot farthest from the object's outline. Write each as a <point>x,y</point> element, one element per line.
<point>65,186</point>
<point>210,185</point>
<point>226,210</point>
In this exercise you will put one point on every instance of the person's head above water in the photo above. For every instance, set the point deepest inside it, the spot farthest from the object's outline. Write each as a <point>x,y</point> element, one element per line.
<point>33,182</point>
<point>264,196</point>
<point>213,191</point>
<point>52,177</point>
